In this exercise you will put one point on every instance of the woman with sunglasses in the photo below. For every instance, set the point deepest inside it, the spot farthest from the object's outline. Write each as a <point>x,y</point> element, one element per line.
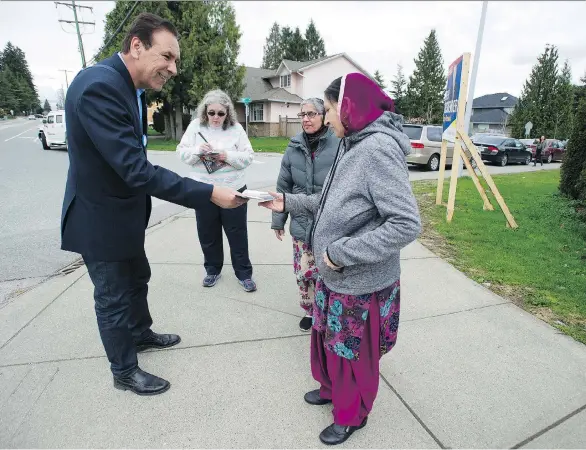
<point>365,215</point>
<point>307,161</point>
<point>217,148</point>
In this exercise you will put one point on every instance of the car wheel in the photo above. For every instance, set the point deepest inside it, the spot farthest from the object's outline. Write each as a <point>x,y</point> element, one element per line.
<point>504,160</point>
<point>527,160</point>
<point>44,142</point>
<point>433,163</point>
<point>549,158</point>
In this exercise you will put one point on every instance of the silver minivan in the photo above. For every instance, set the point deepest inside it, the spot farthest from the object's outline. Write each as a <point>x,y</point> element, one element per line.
<point>426,146</point>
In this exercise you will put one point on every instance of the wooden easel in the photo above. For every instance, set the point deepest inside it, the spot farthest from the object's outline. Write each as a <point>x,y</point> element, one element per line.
<point>462,136</point>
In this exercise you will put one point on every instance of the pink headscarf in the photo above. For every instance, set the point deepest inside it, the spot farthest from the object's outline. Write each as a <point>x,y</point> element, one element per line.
<point>361,102</point>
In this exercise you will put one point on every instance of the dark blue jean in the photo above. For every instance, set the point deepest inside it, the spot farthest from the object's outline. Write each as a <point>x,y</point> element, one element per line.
<point>211,219</point>
<point>122,311</point>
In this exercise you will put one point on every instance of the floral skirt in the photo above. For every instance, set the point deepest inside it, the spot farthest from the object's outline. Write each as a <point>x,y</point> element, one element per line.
<point>305,274</point>
<point>341,318</point>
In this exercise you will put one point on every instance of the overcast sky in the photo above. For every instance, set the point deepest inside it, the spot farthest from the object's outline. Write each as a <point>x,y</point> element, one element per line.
<point>377,35</point>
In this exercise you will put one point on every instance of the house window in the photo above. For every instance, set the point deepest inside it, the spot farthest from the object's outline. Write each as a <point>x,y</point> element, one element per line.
<point>286,80</point>
<point>59,119</point>
<point>257,112</point>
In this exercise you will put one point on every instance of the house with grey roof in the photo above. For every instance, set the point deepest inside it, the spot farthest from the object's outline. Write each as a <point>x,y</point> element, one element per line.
<point>276,95</point>
<point>491,113</point>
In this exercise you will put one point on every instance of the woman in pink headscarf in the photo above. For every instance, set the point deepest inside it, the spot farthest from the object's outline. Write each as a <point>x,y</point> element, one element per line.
<point>365,214</point>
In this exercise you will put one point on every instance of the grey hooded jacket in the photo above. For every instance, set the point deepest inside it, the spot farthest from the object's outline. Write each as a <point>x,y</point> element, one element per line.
<point>367,212</point>
<point>301,175</point>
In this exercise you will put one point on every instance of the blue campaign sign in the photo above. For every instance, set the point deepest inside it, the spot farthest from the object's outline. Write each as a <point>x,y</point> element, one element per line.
<point>451,98</point>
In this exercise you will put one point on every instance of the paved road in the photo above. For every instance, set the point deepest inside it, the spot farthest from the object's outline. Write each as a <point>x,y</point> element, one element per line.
<point>32,183</point>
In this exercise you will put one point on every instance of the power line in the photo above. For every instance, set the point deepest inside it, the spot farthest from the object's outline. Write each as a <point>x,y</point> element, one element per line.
<point>115,32</point>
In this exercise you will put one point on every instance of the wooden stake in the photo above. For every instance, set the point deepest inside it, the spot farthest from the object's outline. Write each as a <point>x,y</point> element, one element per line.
<point>442,171</point>
<point>487,205</point>
<point>454,178</point>
<point>488,178</point>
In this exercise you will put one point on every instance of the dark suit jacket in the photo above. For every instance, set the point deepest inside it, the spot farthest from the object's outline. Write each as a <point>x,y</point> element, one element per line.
<point>107,201</point>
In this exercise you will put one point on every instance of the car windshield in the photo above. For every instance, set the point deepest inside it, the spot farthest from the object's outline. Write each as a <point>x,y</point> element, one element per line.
<point>413,131</point>
<point>490,140</point>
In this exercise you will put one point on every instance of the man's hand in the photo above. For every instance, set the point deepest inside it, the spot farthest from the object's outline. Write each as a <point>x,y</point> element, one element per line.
<point>280,234</point>
<point>227,198</point>
<point>277,204</point>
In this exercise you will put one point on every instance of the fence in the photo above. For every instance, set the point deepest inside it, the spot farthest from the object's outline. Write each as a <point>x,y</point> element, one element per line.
<point>289,126</point>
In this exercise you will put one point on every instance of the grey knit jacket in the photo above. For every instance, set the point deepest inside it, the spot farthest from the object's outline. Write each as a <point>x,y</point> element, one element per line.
<point>366,212</point>
<point>300,174</point>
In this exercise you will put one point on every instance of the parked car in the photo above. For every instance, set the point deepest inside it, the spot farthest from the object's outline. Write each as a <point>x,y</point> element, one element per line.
<point>31,117</point>
<point>502,150</point>
<point>554,150</point>
<point>426,146</point>
<point>52,133</point>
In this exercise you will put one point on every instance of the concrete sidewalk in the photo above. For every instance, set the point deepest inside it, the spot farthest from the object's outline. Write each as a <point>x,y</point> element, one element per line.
<point>469,370</point>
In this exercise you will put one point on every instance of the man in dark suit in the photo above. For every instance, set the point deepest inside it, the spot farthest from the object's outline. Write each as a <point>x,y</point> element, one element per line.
<point>107,201</point>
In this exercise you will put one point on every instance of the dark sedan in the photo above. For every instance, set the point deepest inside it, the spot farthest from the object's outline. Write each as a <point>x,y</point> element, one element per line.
<point>502,150</point>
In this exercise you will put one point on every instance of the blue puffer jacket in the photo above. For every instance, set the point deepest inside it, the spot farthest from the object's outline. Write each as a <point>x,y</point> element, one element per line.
<point>301,175</point>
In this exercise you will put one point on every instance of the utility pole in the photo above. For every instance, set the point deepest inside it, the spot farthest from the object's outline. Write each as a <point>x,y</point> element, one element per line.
<point>66,80</point>
<point>77,22</point>
<point>472,84</point>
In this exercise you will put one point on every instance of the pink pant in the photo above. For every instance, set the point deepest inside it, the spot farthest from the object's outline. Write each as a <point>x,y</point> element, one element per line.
<point>351,385</point>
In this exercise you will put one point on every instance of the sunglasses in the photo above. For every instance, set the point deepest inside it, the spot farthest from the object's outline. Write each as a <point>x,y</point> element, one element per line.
<point>310,114</point>
<point>219,113</point>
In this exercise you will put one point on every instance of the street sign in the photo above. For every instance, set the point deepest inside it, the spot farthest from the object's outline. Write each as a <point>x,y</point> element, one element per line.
<point>246,100</point>
<point>528,127</point>
<point>451,99</point>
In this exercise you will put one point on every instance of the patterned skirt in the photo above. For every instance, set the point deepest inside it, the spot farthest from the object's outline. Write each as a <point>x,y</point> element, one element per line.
<point>341,318</point>
<point>305,274</point>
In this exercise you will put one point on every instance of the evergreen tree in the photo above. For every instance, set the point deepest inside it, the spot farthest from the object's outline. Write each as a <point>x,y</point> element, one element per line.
<point>315,47</point>
<point>425,91</point>
<point>379,80</point>
<point>46,106</point>
<point>538,100</point>
<point>573,171</point>
<point>272,51</point>
<point>295,48</point>
<point>398,89</point>
<point>286,39</point>
<point>19,92</point>
<point>564,103</point>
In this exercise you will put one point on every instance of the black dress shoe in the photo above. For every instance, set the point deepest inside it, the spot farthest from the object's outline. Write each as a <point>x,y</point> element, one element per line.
<point>154,340</point>
<point>313,398</point>
<point>142,383</point>
<point>336,434</point>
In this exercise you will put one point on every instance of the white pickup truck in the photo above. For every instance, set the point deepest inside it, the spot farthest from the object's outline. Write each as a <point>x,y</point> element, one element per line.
<point>52,132</point>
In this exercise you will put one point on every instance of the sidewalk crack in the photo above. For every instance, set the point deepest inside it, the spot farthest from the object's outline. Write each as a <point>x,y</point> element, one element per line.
<point>413,413</point>
<point>550,427</point>
<point>34,404</point>
<point>41,311</point>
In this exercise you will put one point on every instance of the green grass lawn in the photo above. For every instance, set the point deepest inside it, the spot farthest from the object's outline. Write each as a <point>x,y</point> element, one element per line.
<point>260,145</point>
<point>541,266</point>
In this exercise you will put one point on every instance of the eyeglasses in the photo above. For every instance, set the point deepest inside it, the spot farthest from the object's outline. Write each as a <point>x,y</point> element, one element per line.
<point>310,114</point>
<point>219,113</point>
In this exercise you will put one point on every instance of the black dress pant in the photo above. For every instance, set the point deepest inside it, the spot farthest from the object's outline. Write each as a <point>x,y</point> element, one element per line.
<point>122,311</point>
<point>539,158</point>
<point>211,219</point>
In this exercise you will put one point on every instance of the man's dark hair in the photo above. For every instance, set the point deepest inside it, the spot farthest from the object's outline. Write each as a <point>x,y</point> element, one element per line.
<point>143,28</point>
